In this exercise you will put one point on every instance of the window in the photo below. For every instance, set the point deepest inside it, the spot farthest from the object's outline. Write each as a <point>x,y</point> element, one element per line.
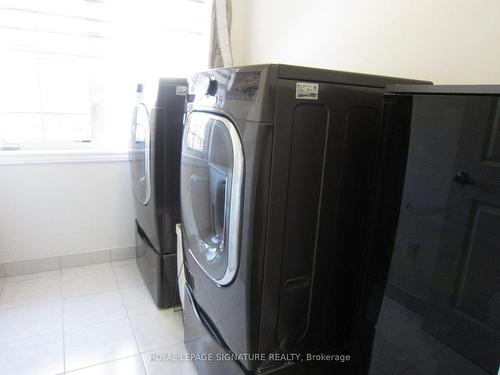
<point>45,99</point>
<point>196,137</point>
<point>70,67</point>
<point>211,193</point>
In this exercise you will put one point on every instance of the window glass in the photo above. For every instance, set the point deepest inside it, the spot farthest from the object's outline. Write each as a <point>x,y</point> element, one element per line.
<point>70,67</point>
<point>140,154</point>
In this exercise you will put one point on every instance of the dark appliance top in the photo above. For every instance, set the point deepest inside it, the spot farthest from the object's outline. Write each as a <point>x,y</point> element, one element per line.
<point>248,92</point>
<point>341,77</point>
<point>445,89</point>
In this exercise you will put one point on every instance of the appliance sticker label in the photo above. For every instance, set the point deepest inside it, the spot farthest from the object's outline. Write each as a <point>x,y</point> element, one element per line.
<point>181,90</point>
<point>306,90</point>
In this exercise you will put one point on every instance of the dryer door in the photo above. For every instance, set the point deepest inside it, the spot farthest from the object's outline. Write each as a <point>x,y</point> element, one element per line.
<point>140,154</point>
<point>211,191</point>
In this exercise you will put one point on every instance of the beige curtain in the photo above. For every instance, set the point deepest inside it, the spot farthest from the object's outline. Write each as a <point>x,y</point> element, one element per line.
<point>220,46</point>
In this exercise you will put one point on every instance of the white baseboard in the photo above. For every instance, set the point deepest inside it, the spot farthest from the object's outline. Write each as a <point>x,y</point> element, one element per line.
<point>65,261</point>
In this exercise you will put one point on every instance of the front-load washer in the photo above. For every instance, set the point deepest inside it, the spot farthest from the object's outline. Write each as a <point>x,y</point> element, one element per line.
<point>277,175</point>
<point>155,148</point>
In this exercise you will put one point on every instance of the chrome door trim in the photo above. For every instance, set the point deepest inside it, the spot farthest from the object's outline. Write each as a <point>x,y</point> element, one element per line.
<point>147,153</point>
<point>236,195</point>
<point>147,156</point>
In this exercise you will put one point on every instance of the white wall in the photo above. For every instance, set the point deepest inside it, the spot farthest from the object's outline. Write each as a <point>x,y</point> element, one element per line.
<point>446,41</point>
<point>64,208</point>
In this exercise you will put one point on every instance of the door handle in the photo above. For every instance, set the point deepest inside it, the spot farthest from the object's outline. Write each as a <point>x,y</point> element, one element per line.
<point>463,178</point>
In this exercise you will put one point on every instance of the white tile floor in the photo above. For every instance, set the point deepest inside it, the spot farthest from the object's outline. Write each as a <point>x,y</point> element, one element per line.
<point>100,319</point>
<point>89,320</point>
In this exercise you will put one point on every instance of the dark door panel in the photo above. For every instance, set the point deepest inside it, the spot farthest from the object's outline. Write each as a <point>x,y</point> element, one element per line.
<point>465,287</point>
<point>446,261</point>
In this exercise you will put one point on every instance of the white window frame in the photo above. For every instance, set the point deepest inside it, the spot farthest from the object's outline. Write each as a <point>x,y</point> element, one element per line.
<point>102,132</point>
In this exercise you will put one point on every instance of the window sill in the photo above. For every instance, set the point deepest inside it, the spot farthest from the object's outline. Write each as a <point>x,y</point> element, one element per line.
<point>13,157</point>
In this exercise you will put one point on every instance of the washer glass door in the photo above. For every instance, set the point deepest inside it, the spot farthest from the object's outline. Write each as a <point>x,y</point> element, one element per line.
<point>211,184</point>
<point>140,154</point>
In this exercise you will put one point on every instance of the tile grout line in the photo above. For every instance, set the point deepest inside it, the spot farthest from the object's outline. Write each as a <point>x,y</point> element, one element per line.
<point>63,328</point>
<point>404,370</point>
<point>38,303</point>
<point>98,292</point>
<point>60,261</point>
<point>117,290</point>
<point>405,309</point>
<point>415,365</point>
<point>419,330</point>
<point>24,304</point>
<point>62,298</point>
<point>6,341</point>
<point>98,364</point>
<point>31,279</point>
<point>130,322</point>
<point>392,316</point>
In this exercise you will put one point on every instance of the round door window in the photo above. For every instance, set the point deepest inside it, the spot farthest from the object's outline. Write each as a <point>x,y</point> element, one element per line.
<point>211,183</point>
<point>140,154</point>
